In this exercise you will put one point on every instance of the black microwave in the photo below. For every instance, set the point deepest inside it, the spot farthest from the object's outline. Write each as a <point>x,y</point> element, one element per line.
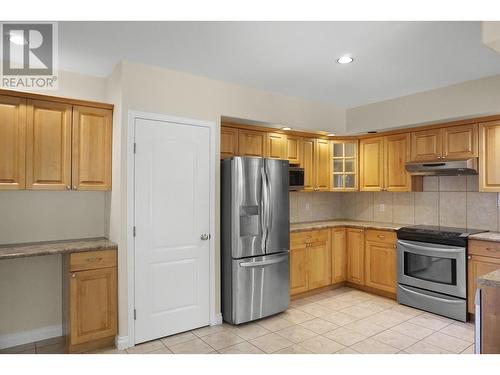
<point>296,178</point>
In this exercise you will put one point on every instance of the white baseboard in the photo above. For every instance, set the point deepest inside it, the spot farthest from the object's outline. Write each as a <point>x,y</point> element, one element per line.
<point>19,338</point>
<point>216,320</point>
<point>122,342</point>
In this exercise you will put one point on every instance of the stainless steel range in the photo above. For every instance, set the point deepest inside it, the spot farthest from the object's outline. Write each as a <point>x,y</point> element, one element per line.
<point>432,269</point>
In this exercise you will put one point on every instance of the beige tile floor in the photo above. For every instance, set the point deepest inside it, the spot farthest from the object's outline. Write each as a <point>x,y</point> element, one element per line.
<point>341,321</point>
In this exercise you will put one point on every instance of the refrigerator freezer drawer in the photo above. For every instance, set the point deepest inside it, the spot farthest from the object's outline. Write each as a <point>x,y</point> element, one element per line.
<point>260,287</point>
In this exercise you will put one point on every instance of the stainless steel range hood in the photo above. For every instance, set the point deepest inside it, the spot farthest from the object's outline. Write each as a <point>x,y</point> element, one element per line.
<point>444,168</point>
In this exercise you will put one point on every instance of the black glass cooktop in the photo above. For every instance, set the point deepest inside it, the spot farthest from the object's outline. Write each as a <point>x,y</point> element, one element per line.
<point>437,234</point>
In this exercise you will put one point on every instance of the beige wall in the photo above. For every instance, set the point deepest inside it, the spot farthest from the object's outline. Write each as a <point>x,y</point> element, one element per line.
<point>468,99</point>
<point>30,289</point>
<point>157,90</point>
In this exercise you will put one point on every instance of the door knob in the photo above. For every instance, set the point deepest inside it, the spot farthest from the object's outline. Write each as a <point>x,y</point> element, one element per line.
<point>205,237</point>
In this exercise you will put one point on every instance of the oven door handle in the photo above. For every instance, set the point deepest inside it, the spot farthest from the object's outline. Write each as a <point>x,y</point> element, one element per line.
<point>429,250</point>
<point>431,297</point>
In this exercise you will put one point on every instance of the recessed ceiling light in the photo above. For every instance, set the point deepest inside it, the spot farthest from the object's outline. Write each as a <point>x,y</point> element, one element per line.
<point>16,39</point>
<point>346,59</point>
<point>330,134</point>
<point>286,128</point>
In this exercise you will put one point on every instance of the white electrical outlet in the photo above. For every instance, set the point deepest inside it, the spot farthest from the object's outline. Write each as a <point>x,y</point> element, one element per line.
<point>308,206</point>
<point>381,207</point>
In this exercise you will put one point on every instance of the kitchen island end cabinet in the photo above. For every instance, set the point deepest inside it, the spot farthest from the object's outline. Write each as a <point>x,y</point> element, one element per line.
<point>89,300</point>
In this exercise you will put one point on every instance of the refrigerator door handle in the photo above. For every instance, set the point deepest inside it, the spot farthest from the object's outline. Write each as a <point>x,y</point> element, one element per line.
<point>263,263</point>
<point>265,208</point>
<point>269,220</point>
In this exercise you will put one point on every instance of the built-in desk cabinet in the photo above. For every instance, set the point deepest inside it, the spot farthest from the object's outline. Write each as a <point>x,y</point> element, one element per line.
<point>51,145</point>
<point>89,300</point>
<point>12,143</point>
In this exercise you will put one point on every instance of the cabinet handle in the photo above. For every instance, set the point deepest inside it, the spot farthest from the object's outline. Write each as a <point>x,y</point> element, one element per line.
<point>73,275</point>
<point>75,187</point>
<point>469,257</point>
<point>92,260</point>
<point>490,249</point>
<point>381,236</point>
<point>68,187</point>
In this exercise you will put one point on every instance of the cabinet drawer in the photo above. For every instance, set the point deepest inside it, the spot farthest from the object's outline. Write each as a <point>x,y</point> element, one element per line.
<point>381,236</point>
<point>300,239</point>
<point>90,260</point>
<point>484,248</point>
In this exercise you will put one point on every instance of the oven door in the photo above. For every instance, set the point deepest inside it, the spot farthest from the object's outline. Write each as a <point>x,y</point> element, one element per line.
<point>435,267</point>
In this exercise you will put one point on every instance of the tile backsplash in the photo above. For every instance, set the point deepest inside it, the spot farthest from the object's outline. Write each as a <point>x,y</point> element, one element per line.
<point>446,200</point>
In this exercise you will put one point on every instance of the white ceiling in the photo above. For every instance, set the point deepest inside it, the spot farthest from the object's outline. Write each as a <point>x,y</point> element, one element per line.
<point>293,58</point>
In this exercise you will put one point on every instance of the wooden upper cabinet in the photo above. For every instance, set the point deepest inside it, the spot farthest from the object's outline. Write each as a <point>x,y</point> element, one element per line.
<point>251,143</point>
<point>338,255</point>
<point>308,163</point>
<point>48,146</point>
<point>228,142</point>
<point>397,153</point>
<point>322,176</point>
<point>489,157</point>
<point>293,149</point>
<point>355,256</point>
<point>371,161</point>
<point>92,143</point>
<point>460,142</point>
<point>453,142</point>
<point>12,142</point>
<point>380,260</point>
<point>276,146</point>
<point>426,145</point>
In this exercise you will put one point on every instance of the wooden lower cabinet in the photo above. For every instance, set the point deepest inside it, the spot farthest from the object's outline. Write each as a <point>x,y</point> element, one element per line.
<point>298,264</point>
<point>338,255</point>
<point>89,300</point>
<point>380,260</point>
<point>310,260</point>
<point>319,272</point>
<point>355,243</point>
<point>478,266</point>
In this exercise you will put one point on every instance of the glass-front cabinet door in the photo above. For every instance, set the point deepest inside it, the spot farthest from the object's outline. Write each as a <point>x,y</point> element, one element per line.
<point>345,165</point>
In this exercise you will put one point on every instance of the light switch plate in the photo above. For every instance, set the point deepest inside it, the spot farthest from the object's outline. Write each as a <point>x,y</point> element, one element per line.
<point>308,206</point>
<point>381,207</point>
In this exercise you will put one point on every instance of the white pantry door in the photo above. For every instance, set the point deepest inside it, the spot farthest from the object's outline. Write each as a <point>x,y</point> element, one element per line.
<point>172,213</point>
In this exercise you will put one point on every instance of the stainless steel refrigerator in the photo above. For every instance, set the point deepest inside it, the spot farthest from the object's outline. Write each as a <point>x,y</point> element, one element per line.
<point>255,238</point>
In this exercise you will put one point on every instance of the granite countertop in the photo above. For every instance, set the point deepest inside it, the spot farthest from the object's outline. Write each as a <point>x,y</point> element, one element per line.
<point>486,236</point>
<point>491,279</point>
<point>22,250</point>
<point>315,225</point>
